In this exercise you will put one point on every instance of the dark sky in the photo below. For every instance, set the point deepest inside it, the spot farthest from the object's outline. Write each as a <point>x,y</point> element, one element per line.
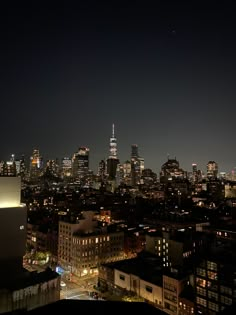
<point>162,71</point>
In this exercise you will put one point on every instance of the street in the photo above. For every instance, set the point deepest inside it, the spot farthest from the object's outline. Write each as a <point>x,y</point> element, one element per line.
<point>73,291</point>
<point>76,288</point>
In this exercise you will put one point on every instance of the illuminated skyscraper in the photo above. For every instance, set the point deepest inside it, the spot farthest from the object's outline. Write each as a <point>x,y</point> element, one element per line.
<point>137,165</point>
<point>112,161</point>
<point>113,144</point>
<point>80,163</point>
<point>102,169</point>
<point>194,172</point>
<point>66,167</point>
<point>212,169</point>
<point>36,165</point>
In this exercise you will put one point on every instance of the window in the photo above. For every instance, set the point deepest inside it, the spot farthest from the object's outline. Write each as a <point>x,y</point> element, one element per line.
<point>213,306</point>
<point>225,300</point>
<point>211,265</point>
<point>201,291</point>
<point>212,275</point>
<point>201,282</point>
<point>170,287</point>
<point>122,277</point>
<point>201,272</point>
<point>225,290</point>
<point>170,297</point>
<point>148,288</point>
<point>213,295</point>
<point>201,301</point>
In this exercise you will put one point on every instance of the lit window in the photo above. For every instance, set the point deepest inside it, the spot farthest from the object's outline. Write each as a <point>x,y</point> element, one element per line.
<point>22,227</point>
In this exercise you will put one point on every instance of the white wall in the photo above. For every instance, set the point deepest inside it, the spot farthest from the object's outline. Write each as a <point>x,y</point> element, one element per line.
<point>155,296</point>
<point>10,192</point>
<point>125,284</point>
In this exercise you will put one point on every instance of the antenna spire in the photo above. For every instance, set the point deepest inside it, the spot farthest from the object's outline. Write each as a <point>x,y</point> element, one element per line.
<point>113,130</point>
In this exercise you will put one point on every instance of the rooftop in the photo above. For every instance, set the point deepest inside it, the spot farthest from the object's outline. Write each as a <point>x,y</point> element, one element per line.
<point>146,266</point>
<point>27,279</point>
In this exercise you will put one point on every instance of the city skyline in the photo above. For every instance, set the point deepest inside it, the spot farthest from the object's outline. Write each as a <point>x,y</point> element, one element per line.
<point>163,74</point>
<point>95,164</point>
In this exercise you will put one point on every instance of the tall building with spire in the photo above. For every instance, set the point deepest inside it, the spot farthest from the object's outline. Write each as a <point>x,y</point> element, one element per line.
<point>112,160</point>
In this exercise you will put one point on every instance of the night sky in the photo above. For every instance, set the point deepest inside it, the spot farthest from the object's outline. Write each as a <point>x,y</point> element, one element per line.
<point>163,72</point>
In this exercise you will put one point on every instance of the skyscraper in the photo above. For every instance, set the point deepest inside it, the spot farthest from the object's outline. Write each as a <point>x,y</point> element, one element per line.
<point>112,161</point>
<point>134,151</point>
<point>137,165</point>
<point>36,164</point>
<point>102,169</point>
<point>212,169</point>
<point>80,163</point>
<point>66,167</point>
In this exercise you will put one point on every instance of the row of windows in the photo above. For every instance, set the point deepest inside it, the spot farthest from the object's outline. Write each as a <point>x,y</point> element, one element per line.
<point>225,290</point>
<point>91,240</point>
<point>170,287</point>
<point>170,307</point>
<point>211,265</point>
<point>170,297</point>
<point>187,254</point>
<point>211,305</point>
<point>201,301</point>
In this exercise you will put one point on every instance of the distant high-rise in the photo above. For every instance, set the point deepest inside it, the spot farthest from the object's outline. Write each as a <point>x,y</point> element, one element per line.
<point>66,167</point>
<point>113,144</point>
<point>112,161</point>
<point>137,165</point>
<point>212,169</point>
<point>80,163</point>
<point>36,164</point>
<point>194,172</point>
<point>134,151</point>
<point>102,169</point>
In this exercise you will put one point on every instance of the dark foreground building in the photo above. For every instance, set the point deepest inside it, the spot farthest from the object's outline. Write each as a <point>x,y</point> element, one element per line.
<point>93,307</point>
